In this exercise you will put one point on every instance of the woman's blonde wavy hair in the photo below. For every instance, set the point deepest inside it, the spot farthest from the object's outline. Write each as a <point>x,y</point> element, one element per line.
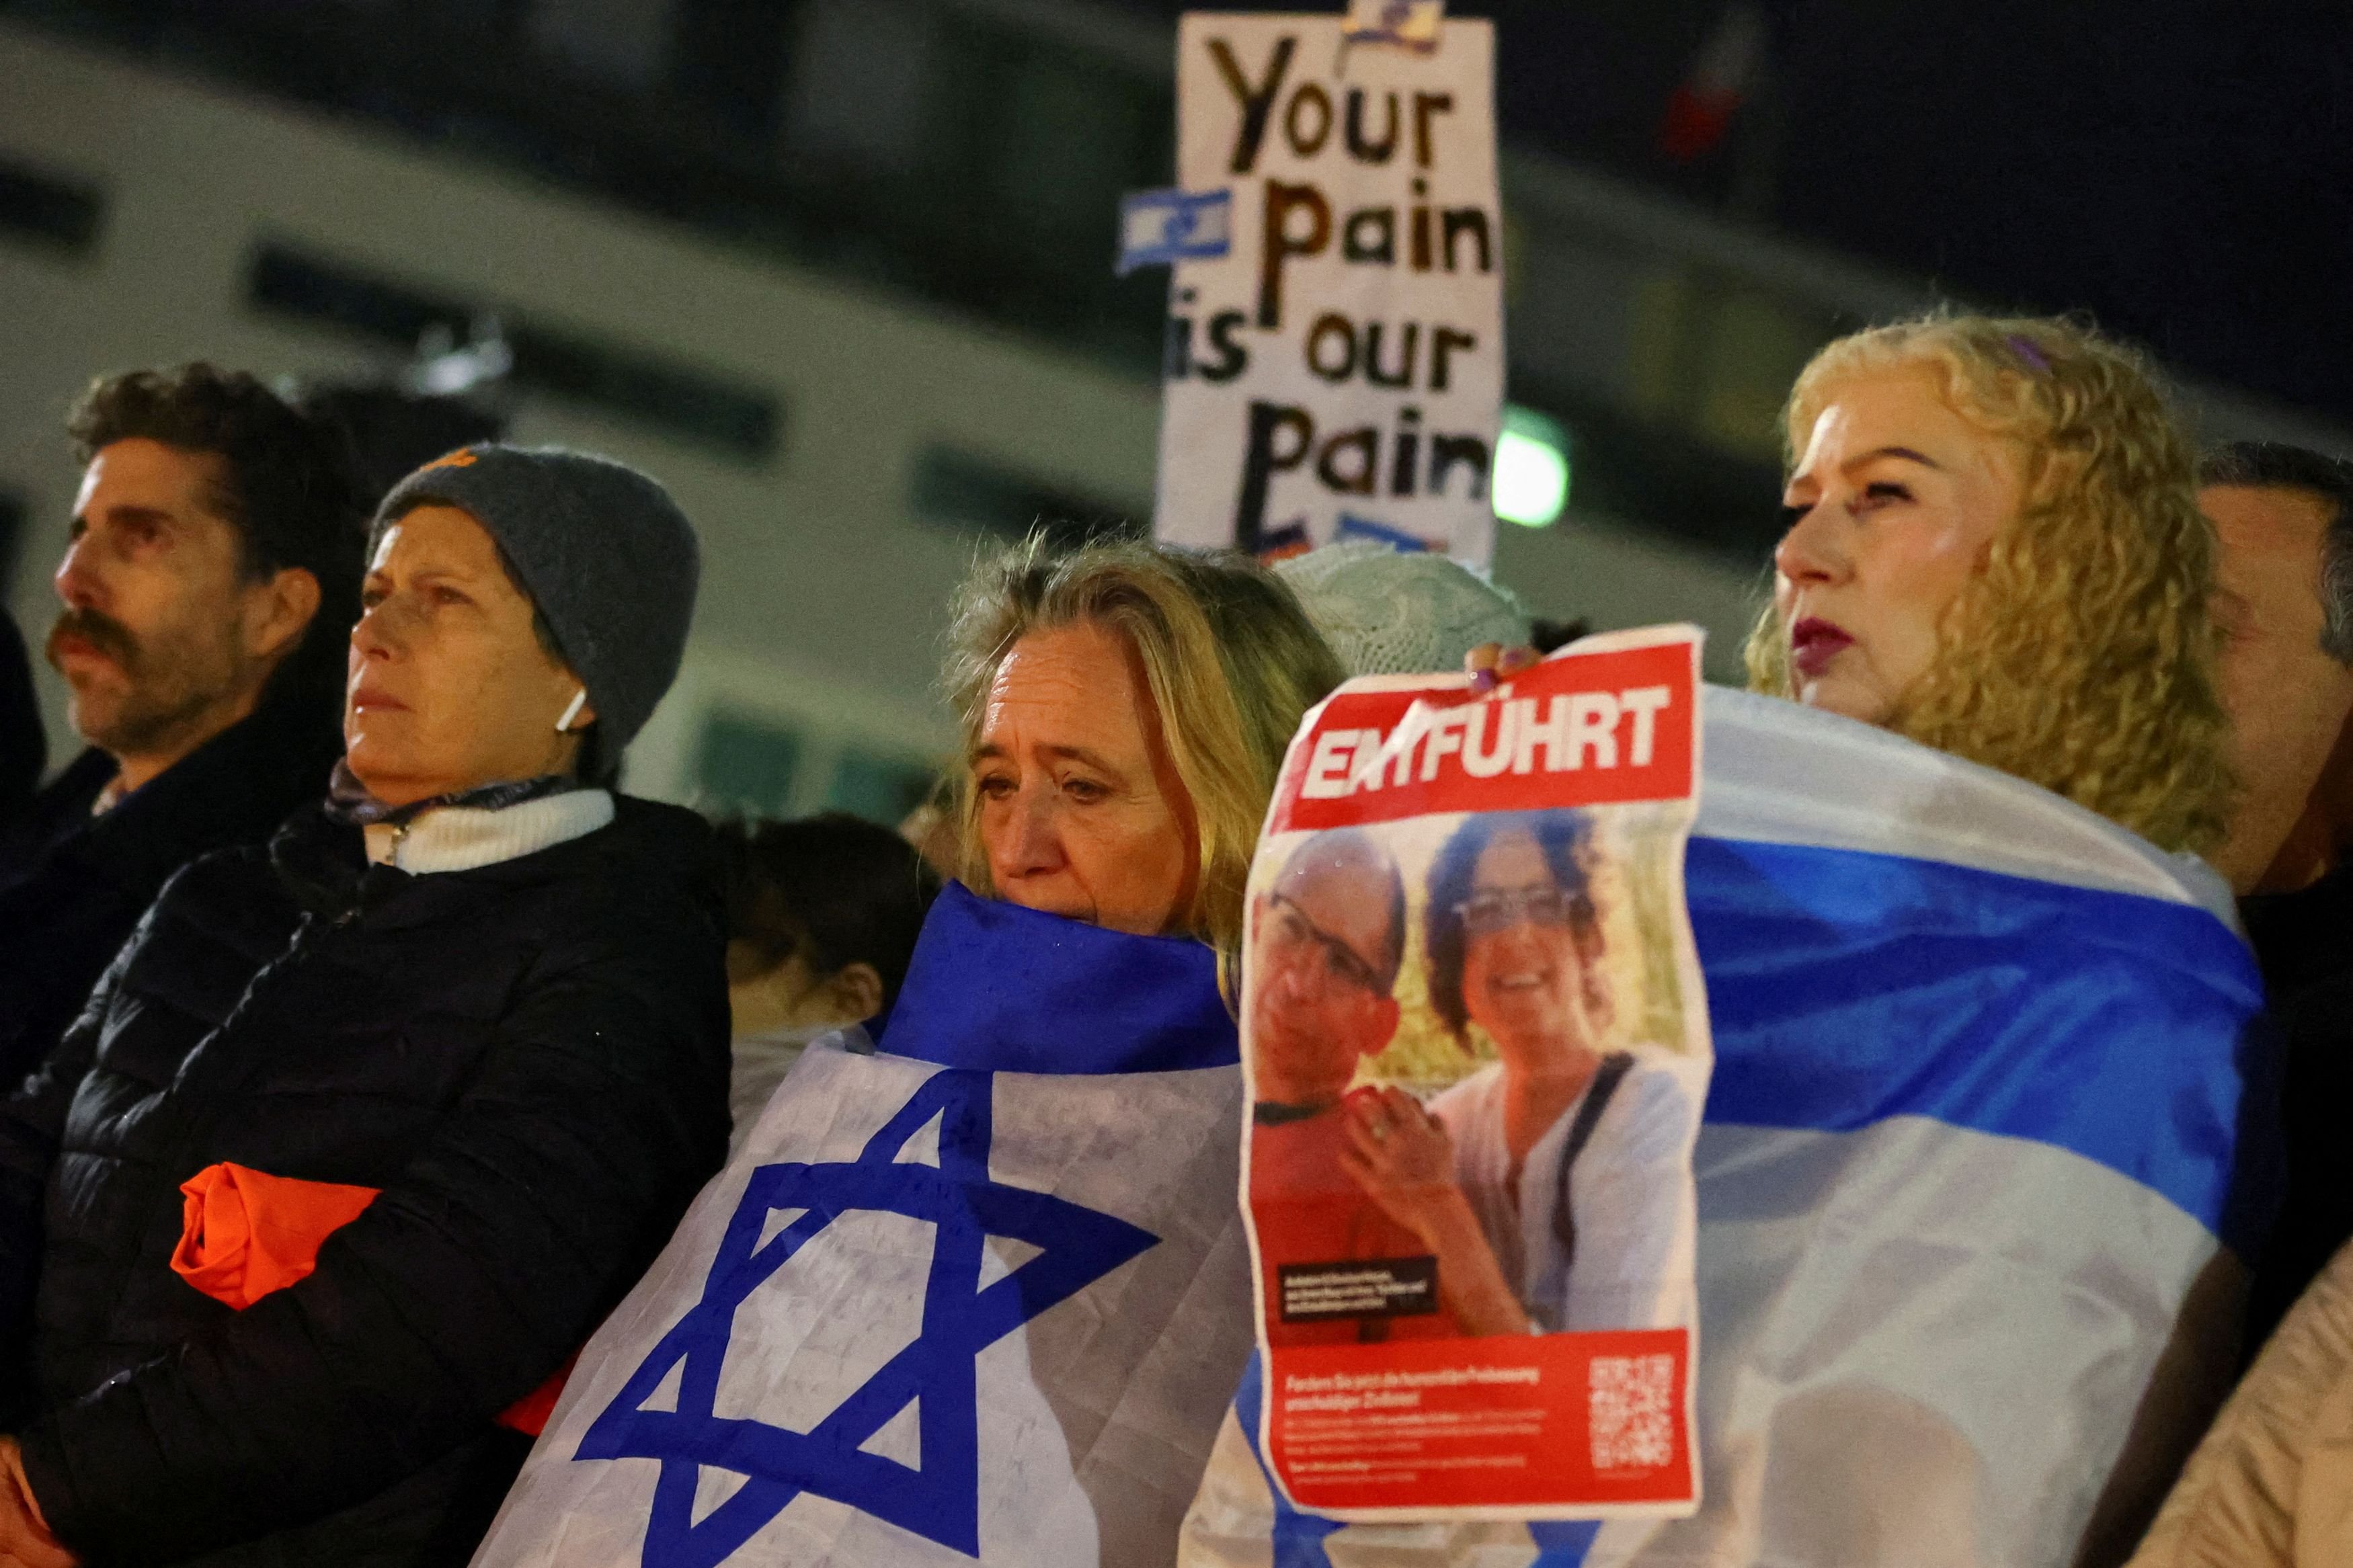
<point>1230,658</point>
<point>2080,657</point>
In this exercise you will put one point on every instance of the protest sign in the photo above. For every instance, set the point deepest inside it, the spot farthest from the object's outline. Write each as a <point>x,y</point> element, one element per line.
<point>1477,1049</point>
<point>1334,367</point>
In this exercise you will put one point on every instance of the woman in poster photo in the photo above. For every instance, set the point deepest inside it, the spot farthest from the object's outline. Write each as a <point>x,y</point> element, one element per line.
<point>1552,1184</point>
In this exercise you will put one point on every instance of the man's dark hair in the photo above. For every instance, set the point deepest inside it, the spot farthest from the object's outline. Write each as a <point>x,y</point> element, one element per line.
<point>285,486</point>
<point>389,433</point>
<point>2276,466</point>
<point>833,889</point>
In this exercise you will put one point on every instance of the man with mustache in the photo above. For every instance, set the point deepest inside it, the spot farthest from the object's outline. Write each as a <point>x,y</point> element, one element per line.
<point>210,580</point>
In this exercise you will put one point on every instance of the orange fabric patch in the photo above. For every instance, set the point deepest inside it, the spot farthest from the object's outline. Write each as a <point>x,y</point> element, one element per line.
<point>529,1414</point>
<point>245,1233</point>
<point>463,457</point>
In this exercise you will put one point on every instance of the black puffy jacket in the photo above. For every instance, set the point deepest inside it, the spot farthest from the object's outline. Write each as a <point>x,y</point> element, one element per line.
<point>72,886</point>
<point>530,1058</point>
<point>23,749</point>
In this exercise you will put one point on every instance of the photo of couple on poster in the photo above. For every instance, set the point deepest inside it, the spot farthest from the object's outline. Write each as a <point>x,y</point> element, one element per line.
<point>1546,1182</point>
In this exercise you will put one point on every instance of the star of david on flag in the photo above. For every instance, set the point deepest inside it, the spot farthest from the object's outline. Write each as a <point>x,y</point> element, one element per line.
<point>785,1207</point>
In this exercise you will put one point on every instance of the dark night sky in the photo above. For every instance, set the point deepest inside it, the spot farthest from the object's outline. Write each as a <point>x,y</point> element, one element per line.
<point>2182,169</point>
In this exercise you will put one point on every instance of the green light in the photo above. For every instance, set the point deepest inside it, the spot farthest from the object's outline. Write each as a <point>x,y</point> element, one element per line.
<point>1531,485</point>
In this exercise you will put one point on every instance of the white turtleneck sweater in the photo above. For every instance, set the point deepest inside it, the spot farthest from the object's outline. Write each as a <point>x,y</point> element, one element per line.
<point>462,838</point>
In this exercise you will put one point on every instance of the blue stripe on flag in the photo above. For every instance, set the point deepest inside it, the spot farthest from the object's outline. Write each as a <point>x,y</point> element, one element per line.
<point>1847,987</point>
<point>987,975</point>
<point>1354,527</point>
<point>1563,1545</point>
<point>1297,1538</point>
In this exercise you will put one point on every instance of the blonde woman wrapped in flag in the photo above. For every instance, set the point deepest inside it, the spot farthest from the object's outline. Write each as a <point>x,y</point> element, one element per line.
<point>977,1288</point>
<point>1971,1178</point>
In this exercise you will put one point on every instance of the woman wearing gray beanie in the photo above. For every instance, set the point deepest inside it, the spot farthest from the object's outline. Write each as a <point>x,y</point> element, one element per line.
<point>366,1131</point>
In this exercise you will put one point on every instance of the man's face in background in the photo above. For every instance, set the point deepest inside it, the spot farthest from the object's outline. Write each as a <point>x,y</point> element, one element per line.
<point>151,641</point>
<point>2287,698</point>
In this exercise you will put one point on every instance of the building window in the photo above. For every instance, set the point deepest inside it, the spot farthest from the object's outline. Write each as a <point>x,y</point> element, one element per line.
<point>956,490</point>
<point>41,208</point>
<point>727,64</point>
<point>624,43</point>
<point>880,789</point>
<point>684,404</point>
<point>746,765</point>
<point>14,516</point>
<point>861,86</point>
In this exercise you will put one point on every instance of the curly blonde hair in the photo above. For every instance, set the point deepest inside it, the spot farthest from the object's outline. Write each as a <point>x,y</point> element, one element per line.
<point>1230,658</point>
<point>2080,657</point>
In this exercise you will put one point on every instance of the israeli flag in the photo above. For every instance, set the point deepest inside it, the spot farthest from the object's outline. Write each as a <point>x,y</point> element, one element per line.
<point>1159,227</point>
<point>977,1297</point>
<point>1966,1181</point>
<point>1412,23</point>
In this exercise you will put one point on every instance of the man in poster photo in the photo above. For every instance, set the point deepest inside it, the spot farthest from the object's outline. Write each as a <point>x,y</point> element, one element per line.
<point>1327,943</point>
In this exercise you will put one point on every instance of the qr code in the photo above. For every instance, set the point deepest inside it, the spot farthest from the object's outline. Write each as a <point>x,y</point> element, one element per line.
<point>1631,1411</point>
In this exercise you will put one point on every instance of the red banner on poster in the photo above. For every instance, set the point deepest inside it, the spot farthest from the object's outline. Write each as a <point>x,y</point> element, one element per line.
<point>1515,1423</point>
<point>1598,729</point>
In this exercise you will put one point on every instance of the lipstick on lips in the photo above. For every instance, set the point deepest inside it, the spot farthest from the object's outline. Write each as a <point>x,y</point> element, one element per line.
<point>1813,643</point>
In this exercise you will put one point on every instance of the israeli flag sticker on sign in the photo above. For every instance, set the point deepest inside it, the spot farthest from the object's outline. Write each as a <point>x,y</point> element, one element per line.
<point>1411,23</point>
<point>1157,227</point>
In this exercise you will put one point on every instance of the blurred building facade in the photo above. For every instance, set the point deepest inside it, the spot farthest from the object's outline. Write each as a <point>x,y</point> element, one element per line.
<point>839,272</point>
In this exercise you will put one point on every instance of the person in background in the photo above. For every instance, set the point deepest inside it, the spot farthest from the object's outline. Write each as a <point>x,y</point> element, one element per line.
<point>2285,519</point>
<point>1994,549</point>
<point>23,749</point>
<point>1060,1044</point>
<point>213,571</point>
<point>1387,612</point>
<point>2285,609</point>
<point>821,917</point>
<point>389,428</point>
<point>2270,1485</point>
<point>1183,676</point>
<point>451,1051</point>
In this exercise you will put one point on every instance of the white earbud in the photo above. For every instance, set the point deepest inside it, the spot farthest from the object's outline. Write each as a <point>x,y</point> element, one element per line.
<point>572,712</point>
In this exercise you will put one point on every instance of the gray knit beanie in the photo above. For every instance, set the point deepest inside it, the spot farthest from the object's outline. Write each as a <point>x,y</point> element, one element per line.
<point>1387,612</point>
<point>602,550</point>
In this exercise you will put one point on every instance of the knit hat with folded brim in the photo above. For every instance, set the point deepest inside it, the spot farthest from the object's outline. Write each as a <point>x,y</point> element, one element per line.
<point>604,553</point>
<point>1389,612</point>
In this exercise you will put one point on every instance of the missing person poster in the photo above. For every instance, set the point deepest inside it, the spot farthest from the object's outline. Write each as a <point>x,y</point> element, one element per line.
<point>1477,1049</point>
<point>1333,366</point>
